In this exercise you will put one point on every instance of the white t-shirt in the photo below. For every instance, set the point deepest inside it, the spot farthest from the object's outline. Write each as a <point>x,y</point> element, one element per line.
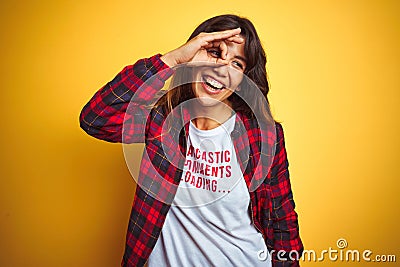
<point>208,223</point>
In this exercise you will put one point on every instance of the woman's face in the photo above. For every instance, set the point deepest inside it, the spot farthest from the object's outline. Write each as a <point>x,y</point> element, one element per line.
<point>216,82</point>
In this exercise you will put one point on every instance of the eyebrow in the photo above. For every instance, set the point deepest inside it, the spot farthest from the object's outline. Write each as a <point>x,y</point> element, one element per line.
<point>241,58</point>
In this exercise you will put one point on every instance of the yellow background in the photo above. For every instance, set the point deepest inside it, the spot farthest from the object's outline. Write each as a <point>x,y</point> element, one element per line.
<point>334,71</point>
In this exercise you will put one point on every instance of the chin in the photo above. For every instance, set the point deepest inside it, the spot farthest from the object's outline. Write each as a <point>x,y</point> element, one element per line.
<point>208,101</point>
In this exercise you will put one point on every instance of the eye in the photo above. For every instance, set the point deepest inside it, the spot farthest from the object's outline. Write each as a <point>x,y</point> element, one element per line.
<point>238,64</point>
<point>214,53</point>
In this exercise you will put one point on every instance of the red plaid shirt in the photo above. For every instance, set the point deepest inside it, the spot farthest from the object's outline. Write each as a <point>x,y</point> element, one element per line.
<point>107,116</point>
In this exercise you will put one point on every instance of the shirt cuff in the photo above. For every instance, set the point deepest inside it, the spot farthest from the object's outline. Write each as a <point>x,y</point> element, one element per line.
<point>161,68</point>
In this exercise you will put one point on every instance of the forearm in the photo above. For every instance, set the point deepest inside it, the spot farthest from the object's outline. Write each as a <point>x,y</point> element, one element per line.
<point>104,115</point>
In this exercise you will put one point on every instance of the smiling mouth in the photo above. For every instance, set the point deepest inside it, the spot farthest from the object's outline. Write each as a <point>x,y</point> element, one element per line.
<point>213,84</point>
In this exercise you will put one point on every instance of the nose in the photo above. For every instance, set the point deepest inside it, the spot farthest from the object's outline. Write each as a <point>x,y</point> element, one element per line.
<point>221,68</point>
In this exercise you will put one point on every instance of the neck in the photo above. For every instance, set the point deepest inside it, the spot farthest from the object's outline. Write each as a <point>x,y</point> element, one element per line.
<point>207,118</point>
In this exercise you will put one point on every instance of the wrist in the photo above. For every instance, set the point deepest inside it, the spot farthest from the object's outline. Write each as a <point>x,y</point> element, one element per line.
<point>169,60</point>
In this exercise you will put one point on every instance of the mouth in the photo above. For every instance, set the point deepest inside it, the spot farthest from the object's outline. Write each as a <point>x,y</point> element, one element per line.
<point>211,85</point>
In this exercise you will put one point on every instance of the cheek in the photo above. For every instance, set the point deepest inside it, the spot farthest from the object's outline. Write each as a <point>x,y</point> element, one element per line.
<point>236,78</point>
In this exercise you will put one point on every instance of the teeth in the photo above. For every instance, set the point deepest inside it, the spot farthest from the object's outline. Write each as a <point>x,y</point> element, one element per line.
<point>214,83</point>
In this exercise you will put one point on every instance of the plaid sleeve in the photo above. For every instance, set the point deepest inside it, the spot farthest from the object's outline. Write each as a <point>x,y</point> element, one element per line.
<point>103,116</point>
<point>287,242</point>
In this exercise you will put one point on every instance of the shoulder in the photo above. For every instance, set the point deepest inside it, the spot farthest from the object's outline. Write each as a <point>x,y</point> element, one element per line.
<point>279,131</point>
<point>254,124</point>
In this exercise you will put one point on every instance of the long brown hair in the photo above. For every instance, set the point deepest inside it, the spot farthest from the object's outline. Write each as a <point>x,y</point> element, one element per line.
<point>255,69</point>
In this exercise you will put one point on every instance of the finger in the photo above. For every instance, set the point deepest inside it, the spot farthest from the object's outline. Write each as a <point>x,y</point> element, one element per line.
<point>197,56</point>
<point>236,39</point>
<point>215,44</point>
<point>224,49</point>
<point>208,45</point>
<point>230,32</point>
<point>213,36</point>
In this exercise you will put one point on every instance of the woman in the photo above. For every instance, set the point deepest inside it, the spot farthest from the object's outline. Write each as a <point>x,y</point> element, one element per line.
<point>213,187</point>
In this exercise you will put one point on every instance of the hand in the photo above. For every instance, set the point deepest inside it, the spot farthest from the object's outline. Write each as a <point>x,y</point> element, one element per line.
<point>199,44</point>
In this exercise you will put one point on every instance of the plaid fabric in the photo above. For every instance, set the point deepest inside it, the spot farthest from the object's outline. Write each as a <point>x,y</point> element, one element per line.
<point>108,116</point>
